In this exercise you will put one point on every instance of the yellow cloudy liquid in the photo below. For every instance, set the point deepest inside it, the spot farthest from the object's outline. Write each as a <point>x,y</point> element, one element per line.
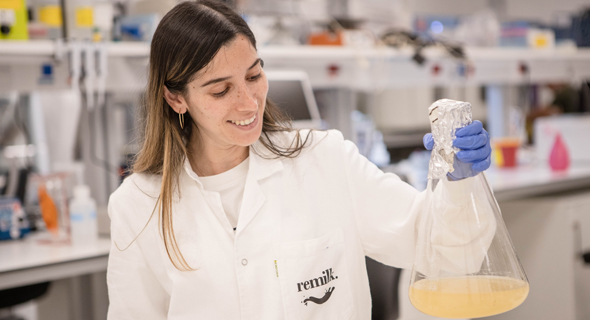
<point>468,297</point>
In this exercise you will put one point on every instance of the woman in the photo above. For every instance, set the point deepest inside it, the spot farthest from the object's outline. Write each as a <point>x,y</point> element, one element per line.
<point>253,220</point>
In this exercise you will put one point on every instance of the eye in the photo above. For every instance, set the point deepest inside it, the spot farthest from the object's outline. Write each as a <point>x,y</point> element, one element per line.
<point>222,93</point>
<point>256,77</point>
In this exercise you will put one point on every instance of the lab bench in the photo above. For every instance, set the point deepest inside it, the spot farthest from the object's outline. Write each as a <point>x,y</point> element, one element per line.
<point>78,289</point>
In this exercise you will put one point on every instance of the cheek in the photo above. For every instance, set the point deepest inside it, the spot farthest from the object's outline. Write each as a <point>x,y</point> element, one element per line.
<point>209,114</point>
<point>264,86</point>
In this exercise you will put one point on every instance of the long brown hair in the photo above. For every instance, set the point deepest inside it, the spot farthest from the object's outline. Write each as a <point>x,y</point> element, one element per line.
<point>186,40</point>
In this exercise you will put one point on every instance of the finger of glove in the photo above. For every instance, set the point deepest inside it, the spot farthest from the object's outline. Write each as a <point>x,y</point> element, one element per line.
<point>471,142</point>
<point>472,129</point>
<point>482,165</point>
<point>428,141</point>
<point>473,156</point>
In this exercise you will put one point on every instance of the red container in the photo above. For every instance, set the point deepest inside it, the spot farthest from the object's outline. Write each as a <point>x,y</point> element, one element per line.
<point>509,155</point>
<point>506,151</point>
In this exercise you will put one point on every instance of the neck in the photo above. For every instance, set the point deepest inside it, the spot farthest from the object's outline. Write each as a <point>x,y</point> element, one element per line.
<point>211,160</point>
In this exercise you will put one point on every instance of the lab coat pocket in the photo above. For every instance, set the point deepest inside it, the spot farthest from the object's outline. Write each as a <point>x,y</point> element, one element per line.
<point>314,278</point>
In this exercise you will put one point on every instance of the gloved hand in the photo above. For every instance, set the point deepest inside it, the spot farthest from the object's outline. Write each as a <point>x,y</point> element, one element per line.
<point>474,157</point>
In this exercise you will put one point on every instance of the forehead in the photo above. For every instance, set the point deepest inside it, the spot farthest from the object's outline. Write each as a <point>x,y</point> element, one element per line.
<point>236,55</point>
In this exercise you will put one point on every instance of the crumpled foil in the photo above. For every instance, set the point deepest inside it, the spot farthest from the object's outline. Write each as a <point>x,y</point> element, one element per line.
<point>446,116</point>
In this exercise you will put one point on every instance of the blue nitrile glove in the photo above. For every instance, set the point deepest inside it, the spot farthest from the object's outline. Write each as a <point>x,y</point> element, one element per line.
<point>474,157</point>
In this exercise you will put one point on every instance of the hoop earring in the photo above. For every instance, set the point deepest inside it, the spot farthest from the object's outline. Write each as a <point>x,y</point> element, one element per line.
<point>181,119</point>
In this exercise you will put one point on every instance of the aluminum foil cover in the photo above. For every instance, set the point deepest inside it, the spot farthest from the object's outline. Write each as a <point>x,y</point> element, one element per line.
<point>446,116</point>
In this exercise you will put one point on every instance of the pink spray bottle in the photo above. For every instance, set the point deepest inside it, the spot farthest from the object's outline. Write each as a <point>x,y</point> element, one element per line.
<point>559,159</point>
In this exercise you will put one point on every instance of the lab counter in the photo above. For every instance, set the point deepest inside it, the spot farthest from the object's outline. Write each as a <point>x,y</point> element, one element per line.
<point>27,261</point>
<point>536,180</point>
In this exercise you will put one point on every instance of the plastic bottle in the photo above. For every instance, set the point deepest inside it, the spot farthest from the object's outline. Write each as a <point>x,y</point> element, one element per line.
<point>559,159</point>
<point>83,225</point>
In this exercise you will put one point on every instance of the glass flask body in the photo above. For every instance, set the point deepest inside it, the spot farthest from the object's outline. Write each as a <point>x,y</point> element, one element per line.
<point>465,264</point>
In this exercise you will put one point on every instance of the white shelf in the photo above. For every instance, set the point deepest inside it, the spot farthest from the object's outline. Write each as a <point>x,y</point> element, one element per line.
<point>129,49</point>
<point>346,67</point>
<point>380,68</point>
<point>27,48</point>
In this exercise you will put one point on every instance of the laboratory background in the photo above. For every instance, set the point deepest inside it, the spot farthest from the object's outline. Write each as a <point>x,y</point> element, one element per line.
<point>73,73</point>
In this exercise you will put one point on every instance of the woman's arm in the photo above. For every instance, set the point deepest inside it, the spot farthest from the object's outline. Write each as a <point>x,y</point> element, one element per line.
<point>387,211</point>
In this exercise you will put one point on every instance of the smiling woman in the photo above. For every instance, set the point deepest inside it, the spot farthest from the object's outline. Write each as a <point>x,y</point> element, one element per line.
<point>205,68</point>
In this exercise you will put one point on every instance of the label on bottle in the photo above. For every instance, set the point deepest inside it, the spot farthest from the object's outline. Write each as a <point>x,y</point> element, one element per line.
<point>77,217</point>
<point>84,17</point>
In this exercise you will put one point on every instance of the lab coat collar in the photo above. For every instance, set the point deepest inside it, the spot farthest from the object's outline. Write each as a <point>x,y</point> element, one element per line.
<point>263,164</point>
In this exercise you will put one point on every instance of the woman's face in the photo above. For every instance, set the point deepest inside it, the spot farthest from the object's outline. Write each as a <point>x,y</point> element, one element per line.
<point>227,98</point>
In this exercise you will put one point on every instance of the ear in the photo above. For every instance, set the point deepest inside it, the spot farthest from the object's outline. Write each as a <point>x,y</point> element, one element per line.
<point>176,101</point>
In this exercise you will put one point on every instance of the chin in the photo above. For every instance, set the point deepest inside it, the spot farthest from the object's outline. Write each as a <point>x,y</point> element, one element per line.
<point>248,140</point>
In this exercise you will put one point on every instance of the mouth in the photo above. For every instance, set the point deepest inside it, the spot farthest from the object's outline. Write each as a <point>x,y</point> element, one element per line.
<point>245,124</point>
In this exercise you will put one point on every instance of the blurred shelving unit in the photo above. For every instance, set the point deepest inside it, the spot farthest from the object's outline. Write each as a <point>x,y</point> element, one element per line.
<point>33,65</point>
<point>328,67</point>
<point>46,65</point>
<point>379,68</point>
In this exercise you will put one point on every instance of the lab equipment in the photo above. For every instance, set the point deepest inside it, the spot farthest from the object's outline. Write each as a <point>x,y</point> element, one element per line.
<point>13,221</point>
<point>83,217</point>
<point>368,139</point>
<point>13,20</point>
<point>138,27</point>
<point>292,92</point>
<point>89,19</point>
<point>47,20</point>
<point>50,193</point>
<point>465,265</point>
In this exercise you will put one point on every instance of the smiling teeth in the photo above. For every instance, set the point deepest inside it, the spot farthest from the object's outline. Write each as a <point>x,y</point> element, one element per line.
<point>244,122</point>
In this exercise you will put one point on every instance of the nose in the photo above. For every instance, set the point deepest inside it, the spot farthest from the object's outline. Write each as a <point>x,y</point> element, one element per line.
<point>246,98</point>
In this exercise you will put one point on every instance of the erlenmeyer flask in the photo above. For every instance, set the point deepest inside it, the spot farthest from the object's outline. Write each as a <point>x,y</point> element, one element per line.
<point>465,264</point>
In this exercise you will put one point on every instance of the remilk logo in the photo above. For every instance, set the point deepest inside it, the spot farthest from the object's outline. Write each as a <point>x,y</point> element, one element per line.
<point>325,278</point>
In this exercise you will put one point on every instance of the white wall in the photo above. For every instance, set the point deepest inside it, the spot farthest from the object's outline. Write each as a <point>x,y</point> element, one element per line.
<point>446,7</point>
<point>543,10</point>
<point>539,10</point>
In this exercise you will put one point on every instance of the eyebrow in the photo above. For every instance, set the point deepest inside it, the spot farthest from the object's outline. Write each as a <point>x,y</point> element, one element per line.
<point>225,78</point>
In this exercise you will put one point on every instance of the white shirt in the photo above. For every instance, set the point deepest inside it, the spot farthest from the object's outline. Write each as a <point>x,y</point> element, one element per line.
<point>230,186</point>
<point>304,228</point>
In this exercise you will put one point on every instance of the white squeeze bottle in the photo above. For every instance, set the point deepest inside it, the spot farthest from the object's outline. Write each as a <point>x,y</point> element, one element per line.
<point>83,217</point>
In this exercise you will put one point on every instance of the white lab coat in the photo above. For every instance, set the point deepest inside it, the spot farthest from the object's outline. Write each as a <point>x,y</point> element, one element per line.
<point>304,229</point>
